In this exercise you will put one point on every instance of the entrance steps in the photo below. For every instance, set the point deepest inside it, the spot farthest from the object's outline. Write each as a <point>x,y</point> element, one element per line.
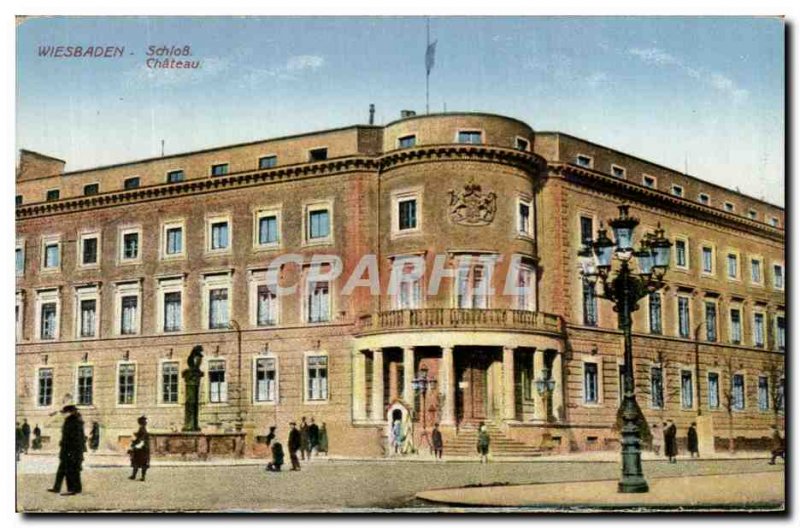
<point>464,443</point>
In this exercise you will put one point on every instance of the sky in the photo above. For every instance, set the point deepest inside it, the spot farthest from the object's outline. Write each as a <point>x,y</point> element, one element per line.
<point>703,95</point>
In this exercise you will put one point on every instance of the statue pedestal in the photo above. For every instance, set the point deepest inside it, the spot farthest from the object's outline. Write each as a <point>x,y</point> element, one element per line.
<point>197,445</point>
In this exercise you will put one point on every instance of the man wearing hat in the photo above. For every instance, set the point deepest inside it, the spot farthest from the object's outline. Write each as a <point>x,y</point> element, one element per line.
<point>73,445</point>
<point>140,449</point>
<point>294,446</point>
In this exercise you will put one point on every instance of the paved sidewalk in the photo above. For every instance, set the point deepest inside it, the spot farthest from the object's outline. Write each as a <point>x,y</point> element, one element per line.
<point>754,490</point>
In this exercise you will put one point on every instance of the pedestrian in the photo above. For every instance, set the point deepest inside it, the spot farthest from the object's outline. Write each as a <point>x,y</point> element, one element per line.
<point>778,446</point>
<point>670,441</point>
<point>37,438</point>
<point>19,441</point>
<point>94,437</point>
<point>304,445</point>
<point>691,441</point>
<point>277,457</point>
<point>270,435</point>
<point>294,446</point>
<point>70,456</point>
<point>313,438</point>
<point>658,439</point>
<point>26,436</point>
<point>140,449</point>
<point>408,436</point>
<point>397,436</point>
<point>483,443</point>
<point>436,440</point>
<point>323,439</point>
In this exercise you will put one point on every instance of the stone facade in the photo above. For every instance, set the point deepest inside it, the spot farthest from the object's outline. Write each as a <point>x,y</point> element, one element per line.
<point>426,190</point>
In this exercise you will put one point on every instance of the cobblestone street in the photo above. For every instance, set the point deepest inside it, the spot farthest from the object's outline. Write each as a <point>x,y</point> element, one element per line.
<point>324,484</point>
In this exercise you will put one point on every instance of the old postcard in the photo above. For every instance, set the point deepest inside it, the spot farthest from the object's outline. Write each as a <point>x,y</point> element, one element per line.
<point>400,264</point>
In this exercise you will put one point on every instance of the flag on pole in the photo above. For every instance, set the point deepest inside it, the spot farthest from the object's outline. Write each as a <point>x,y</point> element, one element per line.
<point>430,54</point>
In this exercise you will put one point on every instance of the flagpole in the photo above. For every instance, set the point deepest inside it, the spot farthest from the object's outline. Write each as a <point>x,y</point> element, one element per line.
<point>427,69</point>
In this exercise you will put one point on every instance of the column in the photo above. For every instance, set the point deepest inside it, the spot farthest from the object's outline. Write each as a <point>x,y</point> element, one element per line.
<point>377,385</point>
<point>447,380</point>
<point>359,386</point>
<point>509,407</point>
<point>408,375</point>
<point>538,399</point>
<point>558,391</point>
<point>394,391</point>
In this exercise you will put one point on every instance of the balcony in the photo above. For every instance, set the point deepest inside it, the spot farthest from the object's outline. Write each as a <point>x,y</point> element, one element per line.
<point>460,318</point>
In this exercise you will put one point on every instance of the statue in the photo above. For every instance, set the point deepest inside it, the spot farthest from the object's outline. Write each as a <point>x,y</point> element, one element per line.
<point>191,377</point>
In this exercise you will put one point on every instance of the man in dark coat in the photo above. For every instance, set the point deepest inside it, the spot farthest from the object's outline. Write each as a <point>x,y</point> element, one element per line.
<point>26,436</point>
<point>270,436</point>
<point>436,440</point>
<point>140,449</point>
<point>94,436</point>
<point>670,441</point>
<point>294,446</point>
<point>37,438</point>
<point>277,457</point>
<point>691,440</point>
<point>73,445</point>
<point>778,446</point>
<point>313,438</point>
<point>304,444</point>
<point>19,441</point>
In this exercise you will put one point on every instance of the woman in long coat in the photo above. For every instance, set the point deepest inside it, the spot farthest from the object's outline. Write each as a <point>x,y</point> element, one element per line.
<point>323,439</point>
<point>140,449</point>
<point>670,441</point>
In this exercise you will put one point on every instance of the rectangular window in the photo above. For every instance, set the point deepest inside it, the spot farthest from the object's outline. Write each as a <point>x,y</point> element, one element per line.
<point>318,302</point>
<point>85,385</point>
<point>318,224</point>
<point>780,332</point>
<point>19,256</point>
<point>175,176</point>
<point>736,326</point>
<point>267,162</point>
<point>758,330</point>
<point>587,230</point>
<point>522,144</point>
<point>89,251</point>
<point>733,266</point>
<point>317,374</point>
<point>649,181</point>
<point>267,305</point>
<point>45,384</point>
<point>774,222</point>
<point>88,317</point>
<point>763,393</point>
<point>583,161</point>
<point>268,229</point>
<point>265,380</point>
<point>755,271</point>
<point>52,255</point>
<point>217,386</point>
<point>407,214</point>
<point>130,246</point>
<point>729,207</point>
<point>53,195</point>
<point>319,154</point>
<point>126,384</point>
<point>407,141</point>
<point>680,254</point>
<point>655,313</point>
<point>657,387</point>
<point>220,169</point>
<point>472,287</point>
<point>218,308</point>
<point>526,298</point>
<point>617,171</point>
<point>777,276</point>
<point>589,304</point>
<point>128,313</point>
<point>711,321</point>
<point>713,390</point>
<point>524,218</point>
<point>172,312</point>
<point>752,214</point>
<point>677,190</point>
<point>683,317</point>
<point>472,137</point>
<point>590,383</point>
<point>687,390</point>
<point>18,200</point>
<point>169,382</point>
<point>409,286</point>
<point>131,183</point>
<point>91,189</point>
<point>174,241</point>
<point>704,199</point>
<point>708,259</point>
<point>48,321</point>
<point>219,235</point>
<point>738,392</point>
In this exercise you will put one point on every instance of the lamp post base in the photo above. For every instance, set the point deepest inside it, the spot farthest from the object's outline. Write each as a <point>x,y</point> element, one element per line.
<point>633,485</point>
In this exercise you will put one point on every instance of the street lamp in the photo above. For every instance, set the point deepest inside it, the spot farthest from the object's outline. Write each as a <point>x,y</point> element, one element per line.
<point>422,384</point>
<point>545,386</point>
<point>625,289</point>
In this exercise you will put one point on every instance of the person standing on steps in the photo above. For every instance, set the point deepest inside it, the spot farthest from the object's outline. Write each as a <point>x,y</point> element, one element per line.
<point>483,443</point>
<point>140,449</point>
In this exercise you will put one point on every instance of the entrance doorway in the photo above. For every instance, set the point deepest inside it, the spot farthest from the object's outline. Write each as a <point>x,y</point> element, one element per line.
<point>472,390</point>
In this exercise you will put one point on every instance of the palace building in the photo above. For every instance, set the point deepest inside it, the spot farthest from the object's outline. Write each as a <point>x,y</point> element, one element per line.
<point>122,269</point>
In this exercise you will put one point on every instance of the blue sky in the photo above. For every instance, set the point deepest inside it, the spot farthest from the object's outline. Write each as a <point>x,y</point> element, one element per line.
<point>706,93</point>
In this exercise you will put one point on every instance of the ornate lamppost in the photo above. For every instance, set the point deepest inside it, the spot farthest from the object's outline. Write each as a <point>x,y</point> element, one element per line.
<point>545,386</point>
<point>625,288</point>
<point>422,384</point>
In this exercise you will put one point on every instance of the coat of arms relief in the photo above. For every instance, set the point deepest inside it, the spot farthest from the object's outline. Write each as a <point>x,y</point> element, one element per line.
<point>471,206</point>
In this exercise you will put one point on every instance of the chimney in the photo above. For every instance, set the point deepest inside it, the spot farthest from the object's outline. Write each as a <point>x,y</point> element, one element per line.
<point>371,114</point>
<point>407,113</point>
